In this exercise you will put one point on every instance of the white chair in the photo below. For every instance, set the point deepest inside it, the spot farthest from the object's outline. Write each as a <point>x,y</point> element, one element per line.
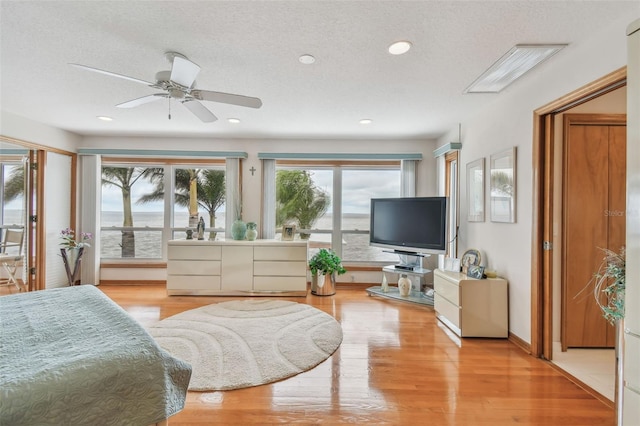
<point>11,255</point>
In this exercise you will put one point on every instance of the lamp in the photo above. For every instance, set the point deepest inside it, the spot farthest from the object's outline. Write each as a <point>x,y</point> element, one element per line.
<point>517,61</point>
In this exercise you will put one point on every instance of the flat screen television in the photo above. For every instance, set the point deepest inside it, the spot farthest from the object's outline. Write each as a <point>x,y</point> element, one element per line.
<point>409,225</point>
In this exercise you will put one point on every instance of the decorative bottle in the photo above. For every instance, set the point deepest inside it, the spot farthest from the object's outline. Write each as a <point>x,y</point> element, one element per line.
<point>239,230</point>
<point>385,283</point>
<point>404,286</point>
<point>252,231</point>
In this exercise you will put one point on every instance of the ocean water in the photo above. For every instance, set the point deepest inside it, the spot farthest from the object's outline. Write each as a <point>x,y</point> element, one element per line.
<point>148,244</point>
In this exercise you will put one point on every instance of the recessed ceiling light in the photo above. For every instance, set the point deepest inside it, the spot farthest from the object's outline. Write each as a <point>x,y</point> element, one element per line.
<point>513,64</point>
<point>307,59</point>
<point>104,118</point>
<point>233,120</point>
<point>366,121</point>
<point>399,47</point>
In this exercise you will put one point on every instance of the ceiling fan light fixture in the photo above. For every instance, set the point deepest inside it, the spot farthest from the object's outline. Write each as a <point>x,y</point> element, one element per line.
<point>511,66</point>
<point>104,118</point>
<point>233,120</point>
<point>399,47</point>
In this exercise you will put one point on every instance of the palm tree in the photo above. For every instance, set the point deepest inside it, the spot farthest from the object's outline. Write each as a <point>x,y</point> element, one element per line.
<point>14,185</point>
<point>299,200</point>
<point>209,189</point>
<point>124,178</point>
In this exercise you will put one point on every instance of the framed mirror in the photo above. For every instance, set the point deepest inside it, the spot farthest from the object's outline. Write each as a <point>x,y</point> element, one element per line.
<point>475,191</point>
<point>503,186</point>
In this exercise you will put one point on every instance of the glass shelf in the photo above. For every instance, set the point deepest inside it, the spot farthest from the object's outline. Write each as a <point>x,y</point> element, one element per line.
<point>393,293</point>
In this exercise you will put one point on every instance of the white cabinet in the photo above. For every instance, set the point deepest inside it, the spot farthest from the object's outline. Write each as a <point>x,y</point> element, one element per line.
<point>237,267</point>
<point>471,307</point>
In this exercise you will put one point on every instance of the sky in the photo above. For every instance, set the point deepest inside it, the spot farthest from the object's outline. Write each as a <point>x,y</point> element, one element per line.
<point>359,187</point>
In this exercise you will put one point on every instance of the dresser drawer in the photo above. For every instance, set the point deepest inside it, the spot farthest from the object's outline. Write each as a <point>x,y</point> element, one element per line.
<point>192,282</point>
<point>285,269</point>
<point>193,267</point>
<point>280,253</point>
<point>447,289</point>
<point>447,309</point>
<point>280,284</point>
<point>195,252</point>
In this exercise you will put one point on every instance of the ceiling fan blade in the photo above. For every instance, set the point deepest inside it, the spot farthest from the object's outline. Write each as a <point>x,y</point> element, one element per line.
<point>200,111</point>
<point>184,71</point>
<point>227,98</point>
<point>143,100</point>
<point>113,74</point>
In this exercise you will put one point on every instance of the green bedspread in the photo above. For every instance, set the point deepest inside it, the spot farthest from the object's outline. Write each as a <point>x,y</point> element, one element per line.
<point>71,356</point>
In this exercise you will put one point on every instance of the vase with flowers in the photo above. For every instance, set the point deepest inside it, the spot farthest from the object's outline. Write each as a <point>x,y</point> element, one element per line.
<point>71,251</point>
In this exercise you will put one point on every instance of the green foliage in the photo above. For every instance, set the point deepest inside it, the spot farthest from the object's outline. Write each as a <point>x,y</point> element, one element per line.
<point>326,262</point>
<point>609,285</point>
<point>124,178</point>
<point>14,185</point>
<point>210,188</point>
<point>298,200</point>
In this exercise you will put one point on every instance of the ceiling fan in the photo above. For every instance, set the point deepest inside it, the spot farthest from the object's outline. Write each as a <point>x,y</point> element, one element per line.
<point>180,84</point>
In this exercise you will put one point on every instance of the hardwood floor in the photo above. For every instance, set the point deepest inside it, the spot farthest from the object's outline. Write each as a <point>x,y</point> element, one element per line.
<point>397,365</point>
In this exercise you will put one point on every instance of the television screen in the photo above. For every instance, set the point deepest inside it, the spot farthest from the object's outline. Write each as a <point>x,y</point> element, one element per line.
<point>409,224</point>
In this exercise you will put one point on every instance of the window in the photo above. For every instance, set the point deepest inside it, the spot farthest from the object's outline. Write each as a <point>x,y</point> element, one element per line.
<point>451,191</point>
<point>137,218</point>
<point>209,202</point>
<point>330,204</point>
<point>12,176</point>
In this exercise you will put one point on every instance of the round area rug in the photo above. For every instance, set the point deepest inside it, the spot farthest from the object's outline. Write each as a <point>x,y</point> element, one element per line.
<point>245,343</point>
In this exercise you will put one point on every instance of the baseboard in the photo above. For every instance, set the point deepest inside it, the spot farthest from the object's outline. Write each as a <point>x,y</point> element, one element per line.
<point>519,343</point>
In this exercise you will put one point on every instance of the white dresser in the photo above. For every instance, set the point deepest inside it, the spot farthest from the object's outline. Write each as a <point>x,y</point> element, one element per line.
<point>230,267</point>
<point>471,307</point>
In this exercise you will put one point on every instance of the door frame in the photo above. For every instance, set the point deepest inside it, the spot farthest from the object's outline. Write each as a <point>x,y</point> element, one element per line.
<point>542,209</point>
<point>36,234</point>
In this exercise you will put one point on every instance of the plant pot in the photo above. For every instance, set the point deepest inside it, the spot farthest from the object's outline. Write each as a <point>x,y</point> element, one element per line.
<point>323,285</point>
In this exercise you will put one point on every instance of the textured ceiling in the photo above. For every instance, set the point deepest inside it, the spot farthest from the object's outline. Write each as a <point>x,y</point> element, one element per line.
<point>252,48</point>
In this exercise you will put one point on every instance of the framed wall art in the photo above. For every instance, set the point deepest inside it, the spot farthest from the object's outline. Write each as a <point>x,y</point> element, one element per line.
<point>475,191</point>
<point>503,186</point>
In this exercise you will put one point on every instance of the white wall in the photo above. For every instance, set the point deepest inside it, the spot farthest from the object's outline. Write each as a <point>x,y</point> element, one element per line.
<point>508,122</point>
<point>17,127</point>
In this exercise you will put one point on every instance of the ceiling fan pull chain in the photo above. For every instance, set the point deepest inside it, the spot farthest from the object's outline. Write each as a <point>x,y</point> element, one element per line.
<point>169,108</point>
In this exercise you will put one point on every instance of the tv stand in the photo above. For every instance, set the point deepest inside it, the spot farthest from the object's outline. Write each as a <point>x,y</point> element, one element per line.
<point>409,260</point>
<point>416,295</point>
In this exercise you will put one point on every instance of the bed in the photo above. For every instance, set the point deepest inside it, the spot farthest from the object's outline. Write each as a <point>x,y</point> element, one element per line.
<point>72,356</point>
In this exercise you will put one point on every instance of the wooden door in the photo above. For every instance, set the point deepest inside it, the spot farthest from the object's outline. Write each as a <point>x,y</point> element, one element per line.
<point>593,219</point>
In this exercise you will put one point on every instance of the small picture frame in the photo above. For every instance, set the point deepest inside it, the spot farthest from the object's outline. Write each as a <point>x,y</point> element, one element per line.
<point>475,271</point>
<point>452,264</point>
<point>288,232</point>
<point>469,258</point>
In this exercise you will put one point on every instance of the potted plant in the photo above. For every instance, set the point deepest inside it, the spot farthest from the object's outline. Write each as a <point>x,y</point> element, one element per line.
<point>609,285</point>
<point>324,266</point>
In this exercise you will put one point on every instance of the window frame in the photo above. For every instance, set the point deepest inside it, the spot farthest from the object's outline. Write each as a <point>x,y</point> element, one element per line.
<point>167,230</point>
<point>337,167</point>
